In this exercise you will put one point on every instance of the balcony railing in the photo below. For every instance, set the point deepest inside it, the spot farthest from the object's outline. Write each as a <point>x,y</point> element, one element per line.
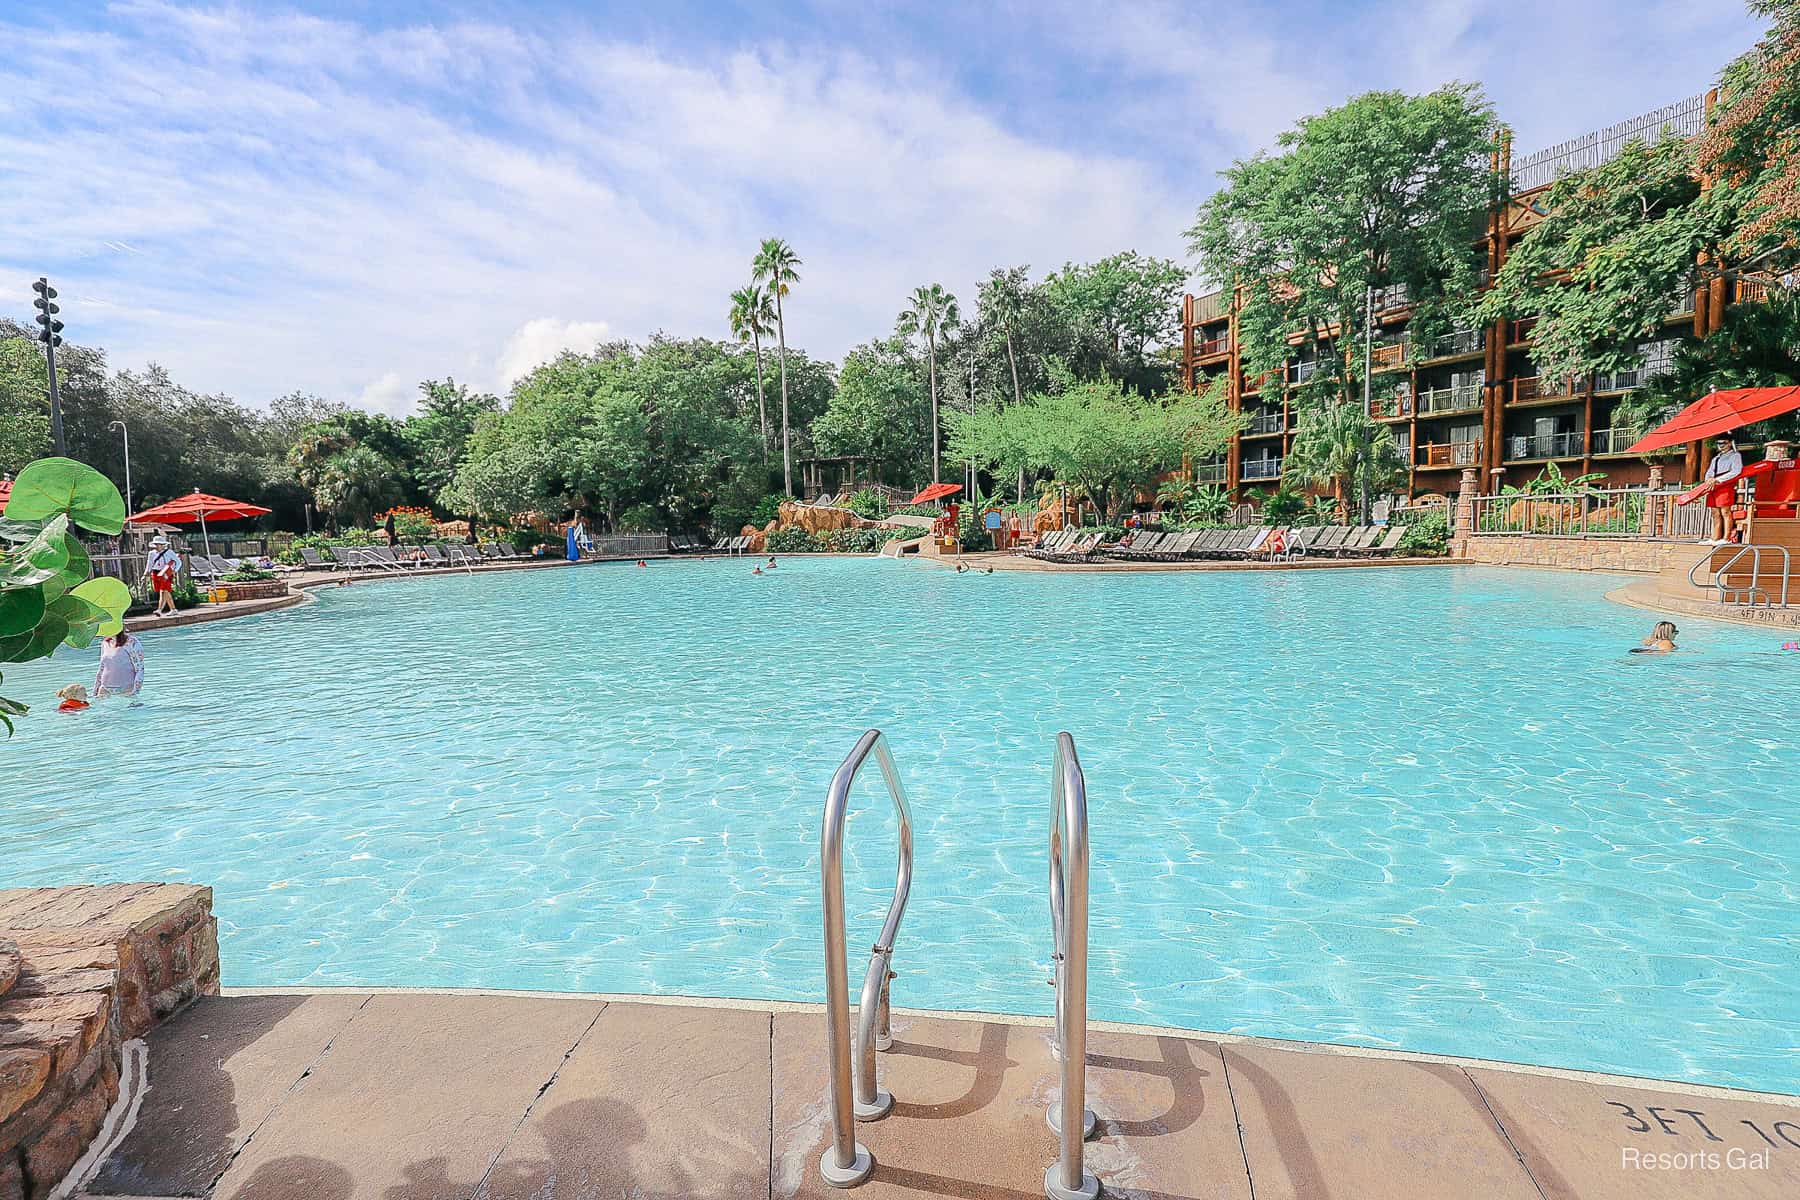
<point>1535,387</point>
<point>1449,454</point>
<point>1543,445</point>
<point>1462,397</point>
<point>1212,347</point>
<point>1756,288</point>
<point>1520,331</point>
<point>1612,441</point>
<point>1395,295</point>
<point>1267,422</point>
<point>1256,383</point>
<point>1450,345</point>
<point>1255,469</point>
<point>1209,472</point>
<point>1390,357</point>
<point>1388,408</point>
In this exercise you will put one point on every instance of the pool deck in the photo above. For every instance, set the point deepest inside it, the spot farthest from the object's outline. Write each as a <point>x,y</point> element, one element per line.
<point>356,1095</point>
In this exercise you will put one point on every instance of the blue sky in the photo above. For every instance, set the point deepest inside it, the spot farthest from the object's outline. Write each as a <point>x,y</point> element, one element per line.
<point>347,197</point>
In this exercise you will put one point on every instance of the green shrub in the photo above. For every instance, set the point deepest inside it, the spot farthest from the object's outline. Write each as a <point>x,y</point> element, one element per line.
<point>933,511</point>
<point>869,505</point>
<point>791,541</point>
<point>1427,535</point>
<point>766,509</point>
<point>860,541</point>
<point>248,574</point>
<point>1282,506</point>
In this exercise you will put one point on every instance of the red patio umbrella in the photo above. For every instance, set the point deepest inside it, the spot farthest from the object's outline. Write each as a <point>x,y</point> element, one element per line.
<point>1719,412</point>
<point>198,507</point>
<point>936,491</point>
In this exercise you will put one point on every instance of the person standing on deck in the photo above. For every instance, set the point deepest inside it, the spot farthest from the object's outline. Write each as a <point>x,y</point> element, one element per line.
<point>1723,471</point>
<point>393,534</point>
<point>160,569</point>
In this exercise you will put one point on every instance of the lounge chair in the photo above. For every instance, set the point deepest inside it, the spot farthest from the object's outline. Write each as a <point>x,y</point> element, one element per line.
<point>1233,541</point>
<point>1177,547</point>
<point>1211,540</point>
<point>1361,538</point>
<point>317,562</point>
<point>1079,550</point>
<point>1247,547</point>
<point>1329,540</point>
<point>1143,545</point>
<point>1388,543</point>
<point>1049,543</point>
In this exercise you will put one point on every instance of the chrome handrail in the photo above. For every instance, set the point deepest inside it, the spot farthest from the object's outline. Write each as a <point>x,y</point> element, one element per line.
<point>1069,1117</point>
<point>847,1162</point>
<point>1751,591</point>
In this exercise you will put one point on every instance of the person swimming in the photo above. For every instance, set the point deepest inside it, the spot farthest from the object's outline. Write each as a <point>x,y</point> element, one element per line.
<point>74,698</point>
<point>1660,641</point>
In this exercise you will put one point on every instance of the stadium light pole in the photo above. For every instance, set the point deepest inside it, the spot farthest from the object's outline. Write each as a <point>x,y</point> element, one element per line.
<point>50,333</point>
<point>126,434</point>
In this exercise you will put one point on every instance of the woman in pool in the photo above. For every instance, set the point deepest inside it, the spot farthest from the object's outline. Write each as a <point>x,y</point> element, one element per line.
<point>121,666</point>
<point>1660,641</point>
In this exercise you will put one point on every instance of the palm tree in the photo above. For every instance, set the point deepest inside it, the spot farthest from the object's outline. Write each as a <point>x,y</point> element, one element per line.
<point>1175,494</point>
<point>775,268</point>
<point>932,312</point>
<point>1338,445</point>
<point>752,316</point>
<point>1003,298</point>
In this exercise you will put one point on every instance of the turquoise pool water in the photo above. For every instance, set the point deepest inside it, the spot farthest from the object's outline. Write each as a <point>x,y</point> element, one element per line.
<point>1439,809</point>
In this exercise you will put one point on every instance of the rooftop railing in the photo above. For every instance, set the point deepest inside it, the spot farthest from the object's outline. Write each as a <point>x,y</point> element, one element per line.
<point>1685,119</point>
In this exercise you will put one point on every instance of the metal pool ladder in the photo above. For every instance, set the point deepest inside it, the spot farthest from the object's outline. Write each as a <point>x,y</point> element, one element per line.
<point>855,1095</point>
<point>847,1162</point>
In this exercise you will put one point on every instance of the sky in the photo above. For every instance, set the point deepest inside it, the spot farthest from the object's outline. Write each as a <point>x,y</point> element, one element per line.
<point>348,197</point>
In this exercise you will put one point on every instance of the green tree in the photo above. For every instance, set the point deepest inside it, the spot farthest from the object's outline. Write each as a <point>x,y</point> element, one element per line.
<point>1388,189</point>
<point>1338,447</point>
<point>1002,304</point>
<point>931,313</point>
<point>752,319</point>
<point>776,268</point>
<point>1753,142</point>
<point>356,484</point>
<point>24,410</point>
<point>878,412</point>
<point>1126,305</point>
<point>438,435</point>
<point>1614,252</point>
<point>1105,442</point>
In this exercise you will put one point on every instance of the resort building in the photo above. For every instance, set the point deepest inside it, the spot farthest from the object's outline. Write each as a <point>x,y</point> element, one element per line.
<point>1472,397</point>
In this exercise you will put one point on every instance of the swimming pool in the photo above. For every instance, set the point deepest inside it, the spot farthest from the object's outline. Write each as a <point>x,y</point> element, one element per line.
<point>1436,809</point>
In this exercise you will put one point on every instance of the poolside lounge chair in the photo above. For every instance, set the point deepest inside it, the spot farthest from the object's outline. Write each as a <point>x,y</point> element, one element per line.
<point>1080,550</point>
<point>318,562</point>
<point>1049,543</point>
<point>1329,540</point>
<point>1210,540</point>
<point>1234,541</point>
<point>1246,548</point>
<point>1361,538</point>
<point>1177,547</point>
<point>1389,542</point>
<point>1143,545</point>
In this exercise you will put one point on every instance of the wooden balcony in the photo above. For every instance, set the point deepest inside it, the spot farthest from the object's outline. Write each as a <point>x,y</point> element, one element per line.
<point>1438,401</point>
<point>1255,470</point>
<point>1255,384</point>
<point>1211,348</point>
<point>1388,358</point>
<point>1391,408</point>
<point>1535,389</point>
<point>1449,454</point>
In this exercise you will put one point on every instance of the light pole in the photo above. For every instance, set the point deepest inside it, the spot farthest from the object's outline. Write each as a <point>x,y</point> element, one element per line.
<point>1362,511</point>
<point>126,434</point>
<point>50,333</point>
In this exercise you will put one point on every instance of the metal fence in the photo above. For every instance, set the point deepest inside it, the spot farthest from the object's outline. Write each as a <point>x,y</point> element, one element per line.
<point>1604,513</point>
<point>1684,118</point>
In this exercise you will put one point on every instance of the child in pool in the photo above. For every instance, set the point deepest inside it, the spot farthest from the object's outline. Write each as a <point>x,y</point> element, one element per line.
<point>74,698</point>
<point>1660,641</point>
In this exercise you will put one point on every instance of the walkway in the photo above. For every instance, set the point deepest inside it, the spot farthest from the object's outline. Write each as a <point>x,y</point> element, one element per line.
<point>408,1096</point>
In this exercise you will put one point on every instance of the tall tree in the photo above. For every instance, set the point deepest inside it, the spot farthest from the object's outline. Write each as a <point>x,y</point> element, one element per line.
<point>1753,143</point>
<point>776,268</point>
<point>752,317</point>
<point>878,412</point>
<point>1386,192</point>
<point>931,313</point>
<point>1122,309</point>
<point>24,410</point>
<point>1614,252</point>
<point>1002,301</point>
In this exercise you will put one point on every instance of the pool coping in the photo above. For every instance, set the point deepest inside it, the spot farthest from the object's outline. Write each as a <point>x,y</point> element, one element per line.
<point>1302,1045</point>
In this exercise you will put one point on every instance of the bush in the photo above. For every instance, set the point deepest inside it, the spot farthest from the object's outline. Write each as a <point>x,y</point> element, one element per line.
<point>791,541</point>
<point>869,505</point>
<point>1282,506</point>
<point>766,509</point>
<point>1427,535</point>
<point>248,574</point>
<point>860,541</point>
<point>933,511</point>
<point>410,524</point>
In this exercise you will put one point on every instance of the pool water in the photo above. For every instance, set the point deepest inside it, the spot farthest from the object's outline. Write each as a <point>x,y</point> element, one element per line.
<point>1441,809</point>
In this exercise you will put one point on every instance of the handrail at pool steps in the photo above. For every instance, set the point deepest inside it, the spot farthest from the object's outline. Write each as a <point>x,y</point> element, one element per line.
<point>1069,1117</point>
<point>847,1162</point>
<point>1745,595</point>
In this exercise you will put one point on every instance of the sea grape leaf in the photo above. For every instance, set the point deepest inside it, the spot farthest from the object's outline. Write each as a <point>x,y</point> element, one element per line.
<point>110,596</point>
<point>62,485</point>
<point>82,619</point>
<point>39,643</point>
<point>43,557</point>
<point>20,610</point>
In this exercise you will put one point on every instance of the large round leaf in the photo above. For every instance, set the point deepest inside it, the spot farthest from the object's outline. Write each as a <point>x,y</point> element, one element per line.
<point>111,597</point>
<point>81,618</point>
<point>62,485</point>
<point>20,610</point>
<point>43,557</point>
<point>48,635</point>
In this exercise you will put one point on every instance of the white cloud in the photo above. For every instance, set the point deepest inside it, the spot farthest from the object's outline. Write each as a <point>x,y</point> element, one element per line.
<point>389,394</point>
<point>538,341</point>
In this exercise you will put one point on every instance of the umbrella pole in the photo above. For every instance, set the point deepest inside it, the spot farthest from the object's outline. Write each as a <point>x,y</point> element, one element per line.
<point>204,536</point>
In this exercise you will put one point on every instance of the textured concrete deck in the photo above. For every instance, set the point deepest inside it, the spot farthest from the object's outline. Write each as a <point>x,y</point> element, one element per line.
<point>334,1096</point>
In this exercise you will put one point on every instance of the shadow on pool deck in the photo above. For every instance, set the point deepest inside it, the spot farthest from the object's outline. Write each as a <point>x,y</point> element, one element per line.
<point>351,1096</point>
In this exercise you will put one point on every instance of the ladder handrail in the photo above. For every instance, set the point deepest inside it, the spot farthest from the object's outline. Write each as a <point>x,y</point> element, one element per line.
<point>846,1162</point>
<point>1754,550</point>
<point>1067,1179</point>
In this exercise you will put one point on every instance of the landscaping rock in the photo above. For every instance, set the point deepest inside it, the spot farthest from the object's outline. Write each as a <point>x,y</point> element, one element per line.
<point>10,963</point>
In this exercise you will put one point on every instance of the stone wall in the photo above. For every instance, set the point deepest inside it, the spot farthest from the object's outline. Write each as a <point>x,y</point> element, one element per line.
<point>1581,554</point>
<point>95,967</point>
